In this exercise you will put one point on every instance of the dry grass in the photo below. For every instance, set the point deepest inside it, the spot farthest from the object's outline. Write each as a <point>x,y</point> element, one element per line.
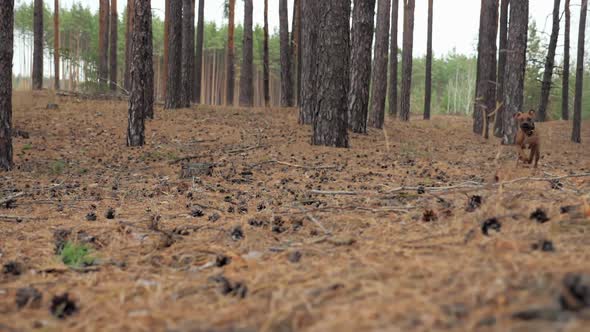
<point>382,269</point>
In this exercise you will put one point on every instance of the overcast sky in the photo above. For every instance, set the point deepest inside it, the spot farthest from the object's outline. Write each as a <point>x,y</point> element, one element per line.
<point>456,22</point>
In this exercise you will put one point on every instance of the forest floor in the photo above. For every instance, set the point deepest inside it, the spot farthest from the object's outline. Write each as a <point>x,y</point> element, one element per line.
<point>255,242</point>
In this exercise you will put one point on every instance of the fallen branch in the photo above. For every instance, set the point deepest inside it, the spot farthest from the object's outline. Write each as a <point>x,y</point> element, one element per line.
<point>315,221</point>
<point>11,198</point>
<point>470,185</point>
<point>246,149</point>
<point>14,218</point>
<point>294,165</point>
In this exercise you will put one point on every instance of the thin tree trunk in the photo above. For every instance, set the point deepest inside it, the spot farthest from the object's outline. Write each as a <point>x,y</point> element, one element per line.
<point>113,40</point>
<point>428,80</point>
<point>128,30</point>
<point>286,87</point>
<point>265,59</point>
<point>188,47</point>
<point>577,128</point>
<point>138,103</point>
<point>166,47</point>
<point>103,43</point>
<point>515,67</point>
<point>393,62</point>
<point>149,71</point>
<point>231,70</point>
<point>6,53</point>
<point>199,52</point>
<point>174,82</point>
<point>498,130</point>
<point>247,72</point>
<point>309,62</point>
<point>38,45</point>
<point>363,22</point>
<point>408,44</point>
<point>549,62</point>
<point>379,77</point>
<point>565,86</point>
<point>298,54</point>
<point>330,121</point>
<point>56,44</point>
<point>294,49</point>
<point>485,98</point>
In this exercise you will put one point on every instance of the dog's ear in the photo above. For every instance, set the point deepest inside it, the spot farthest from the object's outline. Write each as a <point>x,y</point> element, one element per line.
<point>517,114</point>
<point>532,112</point>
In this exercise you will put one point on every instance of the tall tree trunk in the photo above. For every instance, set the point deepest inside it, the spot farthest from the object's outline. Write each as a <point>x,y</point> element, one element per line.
<point>128,41</point>
<point>549,62</point>
<point>309,62</point>
<point>428,80</point>
<point>363,22</point>
<point>565,86</point>
<point>188,47</point>
<point>38,45</point>
<point>56,44</point>
<point>577,128</point>
<point>199,52</point>
<point>6,52</point>
<point>286,87</point>
<point>138,103</point>
<point>295,43</point>
<point>231,70</point>
<point>149,72</point>
<point>174,81</point>
<point>113,40</point>
<point>103,42</point>
<point>379,77</point>
<point>515,67</point>
<point>408,44</point>
<point>393,59</point>
<point>166,46</point>
<point>247,72</point>
<point>265,60</point>
<point>330,120</point>
<point>498,131</point>
<point>485,98</point>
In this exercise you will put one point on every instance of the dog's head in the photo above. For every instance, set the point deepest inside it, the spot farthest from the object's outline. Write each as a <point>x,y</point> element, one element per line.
<point>526,121</point>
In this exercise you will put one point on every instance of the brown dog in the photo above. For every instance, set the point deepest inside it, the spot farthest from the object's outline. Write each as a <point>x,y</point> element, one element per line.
<point>527,137</point>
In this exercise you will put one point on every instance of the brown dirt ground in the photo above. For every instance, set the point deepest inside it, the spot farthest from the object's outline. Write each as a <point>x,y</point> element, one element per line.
<point>383,268</point>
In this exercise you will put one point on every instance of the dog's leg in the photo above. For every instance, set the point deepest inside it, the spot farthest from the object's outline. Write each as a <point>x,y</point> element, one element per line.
<point>537,155</point>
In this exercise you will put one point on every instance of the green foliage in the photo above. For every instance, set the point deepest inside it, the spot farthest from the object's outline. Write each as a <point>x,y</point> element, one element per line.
<point>57,167</point>
<point>76,255</point>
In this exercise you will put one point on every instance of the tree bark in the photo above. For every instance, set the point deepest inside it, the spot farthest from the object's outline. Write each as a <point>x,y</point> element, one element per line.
<point>56,44</point>
<point>286,80</point>
<point>113,40</point>
<point>231,71</point>
<point>295,51</point>
<point>565,86</point>
<point>393,62</point>
<point>363,22</point>
<point>174,84</point>
<point>515,67</point>
<point>138,102</point>
<point>247,72</point>
<point>128,36</point>
<point>265,59</point>
<point>330,117</point>
<point>149,72</point>
<point>38,45</point>
<point>103,43</point>
<point>188,47</point>
<point>498,131</point>
<point>485,99</point>
<point>379,77</point>
<point>428,79</point>
<point>408,44</point>
<point>309,63</point>
<point>166,46</point>
<point>577,127</point>
<point>199,52</point>
<point>549,63</point>
<point>6,53</point>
